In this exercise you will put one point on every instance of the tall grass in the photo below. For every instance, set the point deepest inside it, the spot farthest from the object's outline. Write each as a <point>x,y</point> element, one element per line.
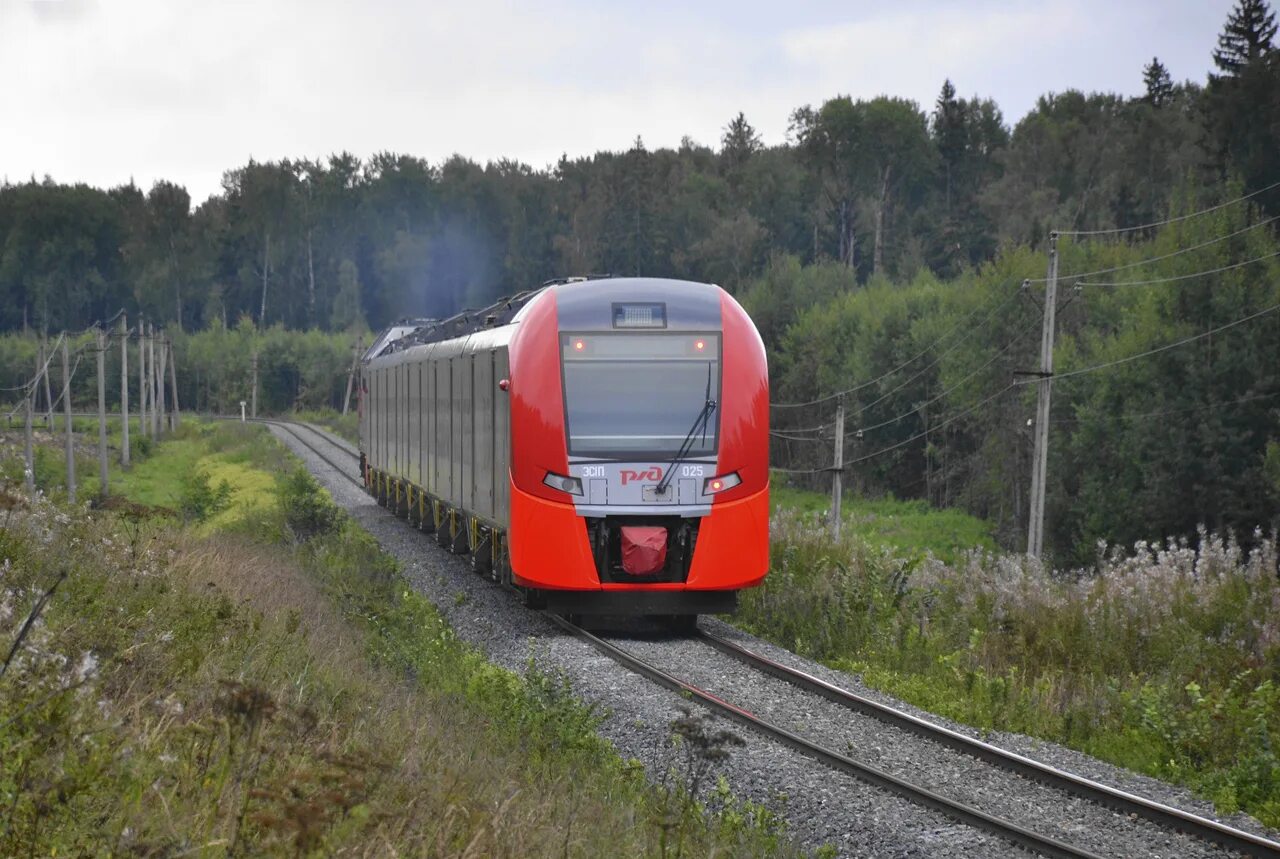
<point>274,687</point>
<point>1164,658</point>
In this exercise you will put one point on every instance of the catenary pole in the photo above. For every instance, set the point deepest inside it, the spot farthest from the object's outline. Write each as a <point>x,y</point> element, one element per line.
<point>103,482</point>
<point>124,391</point>
<point>35,382</point>
<point>66,410</point>
<point>160,403</point>
<point>144,428</point>
<point>46,358</point>
<point>253,403</point>
<point>355,363</point>
<point>28,451</point>
<point>837,472</point>
<point>1040,458</point>
<point>154,368</point>
<point>174,417</point>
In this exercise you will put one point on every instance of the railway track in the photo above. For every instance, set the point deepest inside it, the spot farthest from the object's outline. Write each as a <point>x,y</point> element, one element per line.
<point>339,455</point>
<point>331,442</point>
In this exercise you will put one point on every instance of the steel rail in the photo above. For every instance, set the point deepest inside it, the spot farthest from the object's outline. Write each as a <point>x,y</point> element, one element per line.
<point>1127,803</point>
<point>1012,832</point>
<point>289,427</point>
<point>1096,792</point>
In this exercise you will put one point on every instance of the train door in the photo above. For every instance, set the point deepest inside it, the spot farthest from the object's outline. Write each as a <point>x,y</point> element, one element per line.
<point>402,426</point>
<point>501,441</point>
<point>482,467</point>
<point>415,455</point>
<point>444,427</point>
<point>460,403</point>
<point>431,409</point>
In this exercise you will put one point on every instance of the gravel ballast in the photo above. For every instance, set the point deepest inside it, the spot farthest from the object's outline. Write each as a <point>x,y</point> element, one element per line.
<point>821,807</point>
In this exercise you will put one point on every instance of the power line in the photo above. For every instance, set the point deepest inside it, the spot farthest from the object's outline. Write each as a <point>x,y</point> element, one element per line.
<point>1115,230</point>
<point>1183,276</point>
<point>1178,252</point>
<point>1158,349</point>
<point>901,366</point>
<point>777,434</point>
<point>931,429</point>
<point>949,390</point>
<point>815,428</point>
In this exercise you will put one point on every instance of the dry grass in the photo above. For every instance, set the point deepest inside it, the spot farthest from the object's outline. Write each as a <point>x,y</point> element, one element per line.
<point>212,696</point>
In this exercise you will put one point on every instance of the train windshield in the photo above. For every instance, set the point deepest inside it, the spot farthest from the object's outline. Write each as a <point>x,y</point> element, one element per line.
<point>636,395</point>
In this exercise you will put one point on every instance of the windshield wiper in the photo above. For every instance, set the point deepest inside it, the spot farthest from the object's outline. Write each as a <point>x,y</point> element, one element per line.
<point>700,422</point>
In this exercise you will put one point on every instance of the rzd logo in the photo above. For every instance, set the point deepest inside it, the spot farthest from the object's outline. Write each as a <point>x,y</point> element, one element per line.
<point>629,476</point>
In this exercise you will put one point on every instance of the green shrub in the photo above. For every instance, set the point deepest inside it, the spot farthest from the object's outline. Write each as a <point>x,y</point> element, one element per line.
<point>308,511</point>
<point>199,499</point>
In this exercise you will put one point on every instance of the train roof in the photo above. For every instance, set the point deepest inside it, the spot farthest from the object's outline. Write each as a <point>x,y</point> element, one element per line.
<point>693,298</point>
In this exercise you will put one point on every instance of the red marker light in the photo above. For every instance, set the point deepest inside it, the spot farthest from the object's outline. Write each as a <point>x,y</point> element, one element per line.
<point>699,345</point>
<point>579,345</point>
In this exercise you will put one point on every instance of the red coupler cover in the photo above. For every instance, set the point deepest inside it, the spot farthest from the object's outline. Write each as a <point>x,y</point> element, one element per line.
<point>644,549</point>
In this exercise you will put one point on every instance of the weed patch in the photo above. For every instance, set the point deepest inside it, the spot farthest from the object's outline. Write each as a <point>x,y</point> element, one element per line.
<point>279,690</point>
<point>1164,659</point>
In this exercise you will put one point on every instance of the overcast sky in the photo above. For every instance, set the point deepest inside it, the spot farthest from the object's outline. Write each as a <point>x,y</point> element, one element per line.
<point>102,91</point>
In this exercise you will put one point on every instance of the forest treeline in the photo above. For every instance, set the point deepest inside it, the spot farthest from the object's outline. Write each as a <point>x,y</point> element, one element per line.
<point>880,185</point>
<point>881,248</point>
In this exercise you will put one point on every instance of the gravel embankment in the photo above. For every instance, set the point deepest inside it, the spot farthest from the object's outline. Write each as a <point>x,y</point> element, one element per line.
<point>820,806</point>
<point>930,765</point>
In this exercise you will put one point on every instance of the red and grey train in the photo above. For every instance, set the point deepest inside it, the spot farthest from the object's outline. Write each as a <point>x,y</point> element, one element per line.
<point>601,444</point>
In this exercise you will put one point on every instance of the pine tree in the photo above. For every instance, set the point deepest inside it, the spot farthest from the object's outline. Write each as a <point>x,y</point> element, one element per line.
<point>1159,83</point>
<point>739,141</point>
<point>1246,37</point>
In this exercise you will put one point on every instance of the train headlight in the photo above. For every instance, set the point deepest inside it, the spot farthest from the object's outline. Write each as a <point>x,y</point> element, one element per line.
<point>572,485</point>
<point>712,485</point>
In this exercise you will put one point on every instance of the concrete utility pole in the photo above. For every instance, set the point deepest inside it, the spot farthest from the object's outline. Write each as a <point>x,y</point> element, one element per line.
<point>355,363</point>
<point>46,358</point>
<point>160,406</point>
<point>103,484</point>
<point>35,382</point>
<point>157,387</point>
<point>29,459</point>
<point>66,410</point>
<point>1040,459</point>
<point>253,402</point>
<point>837,472</point>
<point>174,417</point>
<point>124,392</point>
<point>143,425</point>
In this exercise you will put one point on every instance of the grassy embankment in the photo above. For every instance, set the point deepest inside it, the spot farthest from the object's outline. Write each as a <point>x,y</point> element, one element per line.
<point>263,681</point>
<point>1165,659</point>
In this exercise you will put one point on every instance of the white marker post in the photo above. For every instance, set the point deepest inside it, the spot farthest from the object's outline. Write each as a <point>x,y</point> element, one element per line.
<point>242,405</point>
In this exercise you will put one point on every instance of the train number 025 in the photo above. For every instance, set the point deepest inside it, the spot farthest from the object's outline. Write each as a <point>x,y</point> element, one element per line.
<point>691,470</point>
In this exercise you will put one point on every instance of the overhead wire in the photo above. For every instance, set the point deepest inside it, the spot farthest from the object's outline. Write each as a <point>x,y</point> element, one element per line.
<point>865,429</point>
<point>1162,257</point>
<point>1193,275</point>
<point>1116,230</point>
<point>931,429</point>
<point>903,365</point>
<point>1165,348</point>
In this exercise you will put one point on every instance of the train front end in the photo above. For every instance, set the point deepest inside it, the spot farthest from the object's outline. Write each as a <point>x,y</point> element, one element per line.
<point>639,419</point>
